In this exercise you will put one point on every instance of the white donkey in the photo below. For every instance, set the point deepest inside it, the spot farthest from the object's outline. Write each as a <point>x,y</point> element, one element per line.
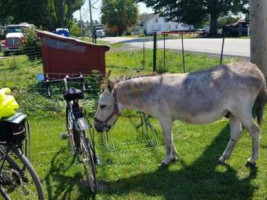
<point>198,98</point>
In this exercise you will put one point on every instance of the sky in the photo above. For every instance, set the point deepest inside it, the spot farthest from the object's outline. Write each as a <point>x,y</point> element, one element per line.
<point>96,10</point>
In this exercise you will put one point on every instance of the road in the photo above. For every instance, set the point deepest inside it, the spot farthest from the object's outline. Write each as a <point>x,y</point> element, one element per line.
<point>233,47</point>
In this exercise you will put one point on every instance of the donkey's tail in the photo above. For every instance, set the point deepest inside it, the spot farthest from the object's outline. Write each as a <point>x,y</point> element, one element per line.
<point>261,101</point>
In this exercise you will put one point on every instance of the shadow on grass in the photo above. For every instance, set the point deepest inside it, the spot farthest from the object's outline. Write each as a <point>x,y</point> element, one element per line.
<point>200,180</point>
<point>60,185</point>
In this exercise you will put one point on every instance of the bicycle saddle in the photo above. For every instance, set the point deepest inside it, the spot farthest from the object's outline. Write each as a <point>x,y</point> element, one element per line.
<point>73,94</point>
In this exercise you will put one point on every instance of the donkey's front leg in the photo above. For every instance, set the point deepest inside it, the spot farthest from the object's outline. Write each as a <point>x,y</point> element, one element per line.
<point>171,152</point>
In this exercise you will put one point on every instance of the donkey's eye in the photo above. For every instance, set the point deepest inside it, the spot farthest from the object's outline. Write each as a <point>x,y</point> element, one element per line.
<point>103,106</point>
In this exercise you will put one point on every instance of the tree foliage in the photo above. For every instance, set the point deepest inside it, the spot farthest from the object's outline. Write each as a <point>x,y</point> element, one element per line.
<point>75,28</point>
<point>119,14</point>
<point>197,11</point>
<point>49,14</point>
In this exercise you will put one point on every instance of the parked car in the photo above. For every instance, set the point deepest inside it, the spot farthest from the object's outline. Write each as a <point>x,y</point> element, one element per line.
<point>63,31</point>
<point>11,44</point>
<point>240,28</point>
<point>100,33</point>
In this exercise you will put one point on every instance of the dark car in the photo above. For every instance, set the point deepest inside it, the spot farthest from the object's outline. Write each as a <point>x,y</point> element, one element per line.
<point>240,28</point>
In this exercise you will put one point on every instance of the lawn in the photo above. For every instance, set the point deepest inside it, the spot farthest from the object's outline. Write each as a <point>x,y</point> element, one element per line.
<point>131,172</point>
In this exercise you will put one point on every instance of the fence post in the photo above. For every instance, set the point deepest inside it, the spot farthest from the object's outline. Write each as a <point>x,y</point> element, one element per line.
<point>144,58</point>
<point>183,51</point>
<point>154,51</point>
<point>164,59</point>
<point>222,47</point>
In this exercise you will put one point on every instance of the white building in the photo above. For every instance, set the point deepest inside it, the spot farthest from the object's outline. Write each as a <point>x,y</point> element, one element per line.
<point>154,23</point>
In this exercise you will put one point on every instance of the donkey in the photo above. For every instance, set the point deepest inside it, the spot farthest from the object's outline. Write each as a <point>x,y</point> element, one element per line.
<point>197,98</point>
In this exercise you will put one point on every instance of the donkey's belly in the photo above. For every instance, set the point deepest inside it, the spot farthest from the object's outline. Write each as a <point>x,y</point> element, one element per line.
<point>202,118</point>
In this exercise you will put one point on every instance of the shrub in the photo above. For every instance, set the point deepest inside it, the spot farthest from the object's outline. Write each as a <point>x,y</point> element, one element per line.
<point>31,44</point>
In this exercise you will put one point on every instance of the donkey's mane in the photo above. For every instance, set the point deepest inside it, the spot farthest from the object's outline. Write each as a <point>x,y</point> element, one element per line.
<point>126,78</point>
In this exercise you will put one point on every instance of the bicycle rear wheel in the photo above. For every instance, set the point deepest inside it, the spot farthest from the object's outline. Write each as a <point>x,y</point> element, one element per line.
<point>18,178</point>
<point>86,156</point>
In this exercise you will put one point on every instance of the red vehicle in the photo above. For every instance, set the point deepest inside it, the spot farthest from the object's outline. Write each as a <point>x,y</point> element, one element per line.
<point>14,35</point>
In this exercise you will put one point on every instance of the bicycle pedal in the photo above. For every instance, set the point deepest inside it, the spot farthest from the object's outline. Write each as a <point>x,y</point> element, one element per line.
<point>64,136</point>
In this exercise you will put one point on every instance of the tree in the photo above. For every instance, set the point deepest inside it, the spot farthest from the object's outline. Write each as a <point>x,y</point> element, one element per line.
<point>197,11</point>
<point>75,28</point>
<point>49,14</point>
<point>119,14</point>
<point>258,38</point>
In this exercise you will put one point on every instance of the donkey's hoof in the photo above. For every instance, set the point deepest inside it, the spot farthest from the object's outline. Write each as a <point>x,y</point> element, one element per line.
<point>221,162</point>
<point>251,165</point>
<point>163,165</point>
<point>175,159</point>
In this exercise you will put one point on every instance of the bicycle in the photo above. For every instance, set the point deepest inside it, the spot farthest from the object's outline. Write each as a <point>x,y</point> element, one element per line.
<point>18,179</point>
<point>77,124</point>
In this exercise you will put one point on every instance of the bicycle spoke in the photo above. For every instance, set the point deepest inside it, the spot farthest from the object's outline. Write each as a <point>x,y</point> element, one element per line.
<point>88,163</point>
<point>20,179</point>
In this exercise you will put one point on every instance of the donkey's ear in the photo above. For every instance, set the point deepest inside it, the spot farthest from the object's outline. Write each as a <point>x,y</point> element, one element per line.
<point>108,74</point>
<point>110,85</point>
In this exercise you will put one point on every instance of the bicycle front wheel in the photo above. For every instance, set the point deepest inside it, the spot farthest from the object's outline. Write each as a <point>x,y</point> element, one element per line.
<point>86,156</point>
<point>18,178</point>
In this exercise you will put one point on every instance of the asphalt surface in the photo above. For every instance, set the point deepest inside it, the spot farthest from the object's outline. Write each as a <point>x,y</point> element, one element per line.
<point>232,47</point>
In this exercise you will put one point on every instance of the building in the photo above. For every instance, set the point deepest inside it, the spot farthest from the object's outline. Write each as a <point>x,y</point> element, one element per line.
<point>151,23</point>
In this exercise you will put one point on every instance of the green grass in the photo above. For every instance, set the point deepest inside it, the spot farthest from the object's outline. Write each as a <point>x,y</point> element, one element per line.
<point>132,61</point>
<point>131,171</point>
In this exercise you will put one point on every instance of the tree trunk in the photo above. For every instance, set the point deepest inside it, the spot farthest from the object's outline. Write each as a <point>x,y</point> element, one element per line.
<point>213,25</point>
<point>258,36</point>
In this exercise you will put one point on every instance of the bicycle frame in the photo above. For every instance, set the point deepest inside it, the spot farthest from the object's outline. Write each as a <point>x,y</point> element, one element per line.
<point>77,124</point>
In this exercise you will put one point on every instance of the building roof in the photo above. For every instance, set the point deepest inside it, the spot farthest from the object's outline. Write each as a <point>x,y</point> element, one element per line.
<point>145,17</point>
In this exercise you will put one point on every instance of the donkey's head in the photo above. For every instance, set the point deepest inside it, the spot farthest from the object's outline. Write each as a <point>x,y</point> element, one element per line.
<point>107,110</point>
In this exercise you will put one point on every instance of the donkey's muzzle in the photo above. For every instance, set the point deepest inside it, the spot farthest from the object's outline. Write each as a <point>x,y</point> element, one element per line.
<point>101,126</point>
<point>99,129</point>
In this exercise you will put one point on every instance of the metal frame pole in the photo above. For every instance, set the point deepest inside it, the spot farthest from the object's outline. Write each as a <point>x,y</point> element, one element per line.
<point>221,59</point>
<point>144,58</point>
<point>164,59</point>
<point>183,51</point>
<point>154,51</point>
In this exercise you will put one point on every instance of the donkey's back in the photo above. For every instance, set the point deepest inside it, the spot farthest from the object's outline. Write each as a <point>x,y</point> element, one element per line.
<point>208,95</point>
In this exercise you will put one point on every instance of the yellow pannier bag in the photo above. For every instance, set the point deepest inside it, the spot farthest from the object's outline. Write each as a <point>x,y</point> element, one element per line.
<point>8,104</point>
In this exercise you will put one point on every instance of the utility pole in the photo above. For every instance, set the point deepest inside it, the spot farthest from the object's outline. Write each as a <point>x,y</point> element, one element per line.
<point>258,34</point>
<point>81,21</point>
<point>91,18</point>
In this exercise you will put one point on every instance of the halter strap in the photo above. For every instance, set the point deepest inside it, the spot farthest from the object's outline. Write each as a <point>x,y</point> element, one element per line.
<point>115,112</point>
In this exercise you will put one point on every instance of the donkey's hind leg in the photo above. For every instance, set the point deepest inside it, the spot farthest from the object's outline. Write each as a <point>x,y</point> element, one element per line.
<point>171,152</point>
<point>235,132</point>
<point>254,131</point>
